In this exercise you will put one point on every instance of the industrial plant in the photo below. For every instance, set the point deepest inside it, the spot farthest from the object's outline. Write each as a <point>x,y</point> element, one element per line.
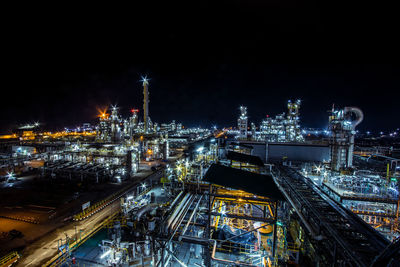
<point>129,191</point>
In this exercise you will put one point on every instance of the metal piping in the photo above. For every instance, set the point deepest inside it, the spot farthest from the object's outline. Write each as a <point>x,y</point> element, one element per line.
<point>175,200</point>
<point>181,212</point>
<point>190,218</point>
<point>359,114</point>
<point>145,209</point>
<point>176,210</point>
<point>176,258</point>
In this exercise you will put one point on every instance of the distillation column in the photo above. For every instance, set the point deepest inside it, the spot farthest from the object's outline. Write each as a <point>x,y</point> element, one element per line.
<point>242,123</point>
<point>146,103</point>
<point>342,128</point>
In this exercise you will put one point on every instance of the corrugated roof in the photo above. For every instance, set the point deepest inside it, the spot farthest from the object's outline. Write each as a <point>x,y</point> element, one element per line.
<point>241,145</point>
<point>236,156</point>
<point>258,184</point>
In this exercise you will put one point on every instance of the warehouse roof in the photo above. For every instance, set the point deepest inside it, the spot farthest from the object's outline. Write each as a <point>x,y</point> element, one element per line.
<point>241,145</point>
<point>244,158</point>
<point>258,184</point>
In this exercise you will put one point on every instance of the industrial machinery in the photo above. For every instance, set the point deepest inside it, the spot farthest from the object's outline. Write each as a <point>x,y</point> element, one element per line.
<point>281,128</point>
<point>242,123</point>
<point>342,127</point>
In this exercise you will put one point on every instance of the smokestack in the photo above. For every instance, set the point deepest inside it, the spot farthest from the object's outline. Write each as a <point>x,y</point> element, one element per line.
<point>146,103</point>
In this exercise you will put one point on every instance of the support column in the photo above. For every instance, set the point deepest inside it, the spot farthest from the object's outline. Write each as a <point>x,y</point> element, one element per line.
<point>275,230</point>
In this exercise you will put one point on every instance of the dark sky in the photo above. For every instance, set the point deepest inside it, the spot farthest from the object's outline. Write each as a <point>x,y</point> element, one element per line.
<point>204,60</point>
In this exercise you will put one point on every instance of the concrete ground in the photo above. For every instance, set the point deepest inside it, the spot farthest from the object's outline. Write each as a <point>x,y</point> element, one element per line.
<point>46,247</point>
<point>89,253</point>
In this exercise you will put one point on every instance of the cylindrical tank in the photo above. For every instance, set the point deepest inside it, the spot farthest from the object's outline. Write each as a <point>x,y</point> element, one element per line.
<point>263,233</point>
<point>147,246</point>
<point>151,224</point>
<point>266,229</point>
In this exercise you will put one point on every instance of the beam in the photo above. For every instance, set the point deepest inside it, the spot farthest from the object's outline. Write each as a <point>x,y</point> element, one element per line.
<point>254,200</point>
<point>258,219</point>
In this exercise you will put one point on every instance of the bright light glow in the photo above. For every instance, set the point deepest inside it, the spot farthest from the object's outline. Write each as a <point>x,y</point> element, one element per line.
<point>144,185</point>
<point>145,80</point>
<point>105,254</point>
<point>129,198</point>
<point>200,149</point>
<point>318,169</point>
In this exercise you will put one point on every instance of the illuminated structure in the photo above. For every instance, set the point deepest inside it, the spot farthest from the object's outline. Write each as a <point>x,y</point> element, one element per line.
<point>232,211</point>
<point>283,128</point>
<point>103,130</point>
<point>242,123</point>
<point>115,124</point>
<point>146,104</point>
<point>342,129</point>
<point>292,127</point>
<point>133,122</point>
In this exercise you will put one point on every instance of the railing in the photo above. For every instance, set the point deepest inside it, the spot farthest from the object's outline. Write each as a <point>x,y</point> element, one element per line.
<point>362,192</point>
<point>238,247</point>
<point>99,205</point>
<point>9,259</point>
<point>292,246</point>
<point>59,259</point>
<point>27,219</point>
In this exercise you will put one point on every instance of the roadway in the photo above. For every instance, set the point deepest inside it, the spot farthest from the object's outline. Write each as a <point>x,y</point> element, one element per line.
<point>47,247</point>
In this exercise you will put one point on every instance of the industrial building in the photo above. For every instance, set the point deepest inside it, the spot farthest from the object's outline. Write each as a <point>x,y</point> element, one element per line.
<point>243,196</point>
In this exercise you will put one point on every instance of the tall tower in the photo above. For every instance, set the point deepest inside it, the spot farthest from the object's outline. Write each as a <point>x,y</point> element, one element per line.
<point>145,103</point>
<point>133,121</point>
<point>292,127</point>
<point>242,123</point>
<point>115,124</point>
<point>342,126</point>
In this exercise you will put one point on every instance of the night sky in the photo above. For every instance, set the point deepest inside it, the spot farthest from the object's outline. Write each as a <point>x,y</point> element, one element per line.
<point>204,60</point>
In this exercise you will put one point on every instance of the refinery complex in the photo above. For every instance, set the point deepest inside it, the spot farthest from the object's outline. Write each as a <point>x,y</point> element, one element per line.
<point>129,191</point>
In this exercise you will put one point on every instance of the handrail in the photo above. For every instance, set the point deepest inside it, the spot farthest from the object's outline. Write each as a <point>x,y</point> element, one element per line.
<point>55,261</point>
<point>9,259</point>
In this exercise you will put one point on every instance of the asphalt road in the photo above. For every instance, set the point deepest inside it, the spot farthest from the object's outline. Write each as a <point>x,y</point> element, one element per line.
<point>46,247</point>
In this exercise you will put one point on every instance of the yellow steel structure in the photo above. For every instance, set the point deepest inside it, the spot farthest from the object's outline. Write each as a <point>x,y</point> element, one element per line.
<point>9,259</point>
<point>8,136</point>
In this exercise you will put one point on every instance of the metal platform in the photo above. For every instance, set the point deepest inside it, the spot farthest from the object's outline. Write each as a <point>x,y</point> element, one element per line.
<point>342,237</point>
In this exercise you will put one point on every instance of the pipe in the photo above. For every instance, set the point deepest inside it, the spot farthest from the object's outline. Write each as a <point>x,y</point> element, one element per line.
<point>181,212</point>
<point>359,115</point>
<point>145,209</point>
<point>175,200</point>
<point>177,209</point>
<point>190,219</point>
<point>173,256</point>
